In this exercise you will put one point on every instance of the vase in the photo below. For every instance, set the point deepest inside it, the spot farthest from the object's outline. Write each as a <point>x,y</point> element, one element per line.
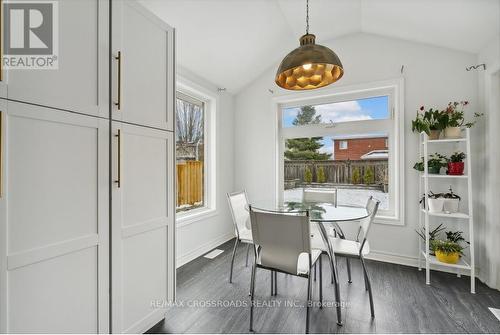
<point>456,168</point>
<point>451,258</point>
<point>434,169</point>
<point>436,205</point>
<point>434,135</point>
<point>452,132</point>
<point>451,205</point>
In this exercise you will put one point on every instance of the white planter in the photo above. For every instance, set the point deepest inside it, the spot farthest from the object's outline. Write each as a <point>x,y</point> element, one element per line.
<point>451,205</point>
<point>436,205</point>
<point>452,132</point>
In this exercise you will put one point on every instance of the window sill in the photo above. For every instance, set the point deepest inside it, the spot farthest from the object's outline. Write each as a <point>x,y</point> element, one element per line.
<point>187,218</point>
<point>388,220</point>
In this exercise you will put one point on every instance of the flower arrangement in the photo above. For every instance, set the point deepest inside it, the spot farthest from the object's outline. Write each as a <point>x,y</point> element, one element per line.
<point>454,118</point>
<point>430,121</point>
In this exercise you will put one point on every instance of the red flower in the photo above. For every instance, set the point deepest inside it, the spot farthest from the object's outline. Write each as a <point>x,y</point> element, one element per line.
<point>422,108</point>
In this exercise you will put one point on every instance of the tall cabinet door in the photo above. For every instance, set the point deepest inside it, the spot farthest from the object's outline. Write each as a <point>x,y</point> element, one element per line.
<point>54,221</point>
<point>143,66</point>
<point>142,226</point>
<point>81,82</point>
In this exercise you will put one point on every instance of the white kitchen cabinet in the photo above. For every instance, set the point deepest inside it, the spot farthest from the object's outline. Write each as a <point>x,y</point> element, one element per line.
<point>143,77</point>
<point>81,83</point>
<point>142,226</point>
<point>54,228</point>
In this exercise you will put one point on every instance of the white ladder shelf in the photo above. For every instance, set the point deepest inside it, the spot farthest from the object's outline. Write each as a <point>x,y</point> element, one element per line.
<point>424,215</point>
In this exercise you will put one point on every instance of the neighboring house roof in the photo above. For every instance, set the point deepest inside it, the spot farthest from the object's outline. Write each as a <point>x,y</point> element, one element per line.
<point>376,154</point>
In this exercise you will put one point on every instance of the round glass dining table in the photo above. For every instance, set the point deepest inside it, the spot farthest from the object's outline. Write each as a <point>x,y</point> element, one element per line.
<point>318,212</point>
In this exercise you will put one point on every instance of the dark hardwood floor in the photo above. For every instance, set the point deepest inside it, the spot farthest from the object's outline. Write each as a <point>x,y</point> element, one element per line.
<point>403,303</point>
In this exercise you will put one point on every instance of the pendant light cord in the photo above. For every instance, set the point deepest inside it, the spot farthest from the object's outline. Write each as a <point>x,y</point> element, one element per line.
<point>307,17</point>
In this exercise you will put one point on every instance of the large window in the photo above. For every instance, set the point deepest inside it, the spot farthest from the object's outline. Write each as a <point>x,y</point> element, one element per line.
<point>349,141</point>
<point>190,152</point>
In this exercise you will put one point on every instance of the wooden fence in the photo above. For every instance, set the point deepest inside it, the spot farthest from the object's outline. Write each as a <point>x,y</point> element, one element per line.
<point>189,182</point>
<point>337,172</point>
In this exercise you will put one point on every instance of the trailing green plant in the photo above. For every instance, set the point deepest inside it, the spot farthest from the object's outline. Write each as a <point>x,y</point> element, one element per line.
<point>425,121</point>
<point>455,236</point>
<point>447,247</point>
<point>356,176</point>
<point>369,177</point>
<point>435,160</point>
<point>320,175</point>
<point>308,176</point>
<point>454,115</point>
<point>433,234</point>
<point>457,156</point>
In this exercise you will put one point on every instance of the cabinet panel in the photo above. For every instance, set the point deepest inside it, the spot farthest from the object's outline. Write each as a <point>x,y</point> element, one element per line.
<point>142,225</point>
<point>81,82</point>
<point>143,76</point>
<point>54,214</point>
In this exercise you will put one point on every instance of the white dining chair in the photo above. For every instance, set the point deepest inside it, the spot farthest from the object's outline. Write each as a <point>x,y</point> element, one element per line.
<point>320,195</point>
<point>283,244</point>
<point>238,205</point>
<point>360,247</point>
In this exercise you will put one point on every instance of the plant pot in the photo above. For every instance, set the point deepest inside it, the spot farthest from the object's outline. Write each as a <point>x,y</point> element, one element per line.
<point>434,169</point>
<point>456,169</point>
<point>451,258</point>
<point>452,132</point>
<point>451,205</point>
<point>436,205</point>
<point>434,135</point>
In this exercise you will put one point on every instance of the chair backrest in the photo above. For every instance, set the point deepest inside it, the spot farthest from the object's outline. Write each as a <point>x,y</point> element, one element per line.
<point>366,223</point>
<point>281,238</point>
<point>324,195</point>
<point>238,204</point>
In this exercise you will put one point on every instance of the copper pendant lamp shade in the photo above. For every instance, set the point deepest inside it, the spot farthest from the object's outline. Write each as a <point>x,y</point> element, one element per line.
<point>309,66</point>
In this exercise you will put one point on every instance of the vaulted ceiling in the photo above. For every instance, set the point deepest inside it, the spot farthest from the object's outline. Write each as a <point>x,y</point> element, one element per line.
<point>230,42</point>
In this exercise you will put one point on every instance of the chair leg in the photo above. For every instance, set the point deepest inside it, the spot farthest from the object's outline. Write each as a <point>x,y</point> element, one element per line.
<point>308,300</point>
<point>369,287</point>
<point>248,250</point>
<point>320,282</point>
<point>252,292</point>
<point>348,262</point>
<point>232,260</point>
<point>337,290</point>
<point>272,283</point>
<point>314,271</point>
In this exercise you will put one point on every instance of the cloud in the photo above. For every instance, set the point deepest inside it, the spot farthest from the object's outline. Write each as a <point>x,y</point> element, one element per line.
<point>342,112</point>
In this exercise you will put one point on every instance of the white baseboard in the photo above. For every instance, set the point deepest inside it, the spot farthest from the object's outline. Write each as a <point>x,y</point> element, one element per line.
<point>203,249</point>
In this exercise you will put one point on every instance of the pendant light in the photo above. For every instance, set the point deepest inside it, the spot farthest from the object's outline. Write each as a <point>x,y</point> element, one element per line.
<point>310,66</point>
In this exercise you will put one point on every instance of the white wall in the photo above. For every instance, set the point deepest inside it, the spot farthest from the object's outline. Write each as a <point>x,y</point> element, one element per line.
<point>433,77</point>
<point>489,227</point>
<point>197,237</point>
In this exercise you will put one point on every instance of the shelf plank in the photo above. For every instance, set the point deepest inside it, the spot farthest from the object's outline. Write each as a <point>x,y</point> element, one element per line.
<point>462,263</point>
<point>430,175</point>
<point>448,215</point>
<point>447,140</point>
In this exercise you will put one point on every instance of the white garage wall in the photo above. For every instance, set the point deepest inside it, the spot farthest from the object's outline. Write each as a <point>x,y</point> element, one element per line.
<point>195,238</point>
<point>433,77</point>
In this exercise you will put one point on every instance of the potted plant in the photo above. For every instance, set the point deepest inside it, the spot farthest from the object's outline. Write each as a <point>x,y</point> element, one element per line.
<point>433,234</point>
<point>455,236</point>
<point>454,119</point>
<point>456,164</point>
<point>447,251</point>
<point>451,201</point>
<point>435,200</point>
<point>434,163</point>
<point>431,122</point>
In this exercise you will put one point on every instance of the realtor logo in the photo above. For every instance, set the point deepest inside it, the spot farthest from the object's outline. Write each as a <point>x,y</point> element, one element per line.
<point>30,35</point>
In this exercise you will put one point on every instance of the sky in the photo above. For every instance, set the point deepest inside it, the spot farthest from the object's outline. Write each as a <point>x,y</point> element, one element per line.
<point>356,110</point>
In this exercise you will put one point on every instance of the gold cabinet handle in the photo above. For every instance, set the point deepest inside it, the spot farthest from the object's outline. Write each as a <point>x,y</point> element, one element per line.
<point>119,137</point>
<point>118,103</point>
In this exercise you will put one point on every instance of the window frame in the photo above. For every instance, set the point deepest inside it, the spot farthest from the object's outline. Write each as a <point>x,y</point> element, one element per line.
<point>197,92</point>
<point>341,147</point>
<point>391,88</point>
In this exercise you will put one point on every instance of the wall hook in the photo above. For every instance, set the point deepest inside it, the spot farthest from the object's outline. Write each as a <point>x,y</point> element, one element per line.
<point>475,67</point>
